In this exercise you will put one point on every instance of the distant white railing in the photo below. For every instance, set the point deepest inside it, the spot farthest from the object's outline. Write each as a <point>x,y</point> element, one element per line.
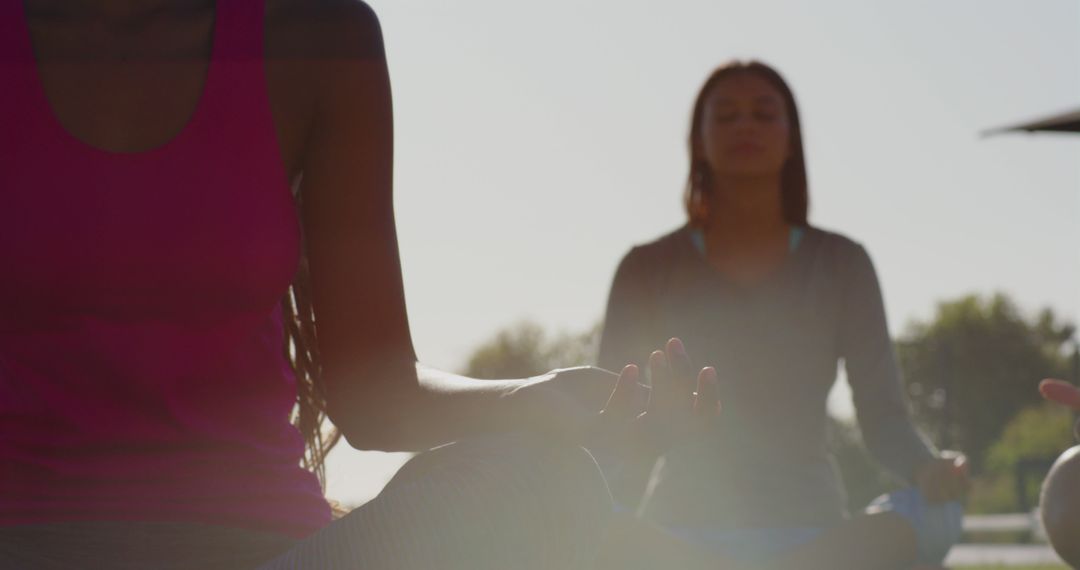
<point>1012,522</point>
<point>1003,554</point>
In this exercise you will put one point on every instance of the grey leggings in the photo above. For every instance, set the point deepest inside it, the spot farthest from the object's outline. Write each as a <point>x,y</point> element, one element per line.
<point>507,502</point>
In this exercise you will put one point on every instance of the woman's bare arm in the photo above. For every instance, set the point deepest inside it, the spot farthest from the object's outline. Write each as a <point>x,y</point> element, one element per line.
<point>377,393</point>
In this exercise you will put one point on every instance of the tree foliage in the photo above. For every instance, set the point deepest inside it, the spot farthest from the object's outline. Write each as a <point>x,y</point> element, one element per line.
<point>1040,432</point>
<point>524,350</point>
<point>1018,461</point>
<point>975,365</point>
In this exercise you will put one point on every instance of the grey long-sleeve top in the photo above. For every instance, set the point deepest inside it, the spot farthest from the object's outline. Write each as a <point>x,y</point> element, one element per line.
<point>776,347</point>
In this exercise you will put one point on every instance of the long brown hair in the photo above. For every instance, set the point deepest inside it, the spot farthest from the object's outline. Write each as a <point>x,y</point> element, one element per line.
<point>793,187</point>
<point>302,350</point>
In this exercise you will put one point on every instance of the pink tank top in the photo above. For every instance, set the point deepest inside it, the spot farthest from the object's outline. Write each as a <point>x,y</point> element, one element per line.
<point>142,370</point>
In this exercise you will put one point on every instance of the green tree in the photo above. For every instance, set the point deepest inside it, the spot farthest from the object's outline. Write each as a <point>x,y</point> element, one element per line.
<point>1039,432</point>
<point>972,368</point>
<point>524,350</point>
<point>1035,436</point>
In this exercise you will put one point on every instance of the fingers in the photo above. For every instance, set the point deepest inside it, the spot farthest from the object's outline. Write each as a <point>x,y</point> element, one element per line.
<point>1061,392</point>
<point>673,379</point>
<point>674,406</point>
<point>707,397</point>
<point>961,478</point>
<point>959,464</point>
<point>683,372</point>
<point>664,394</point>
<point>945,479</point>
<point>658,371</point>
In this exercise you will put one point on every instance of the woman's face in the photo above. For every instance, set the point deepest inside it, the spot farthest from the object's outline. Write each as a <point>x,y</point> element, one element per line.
<point>745,130</point>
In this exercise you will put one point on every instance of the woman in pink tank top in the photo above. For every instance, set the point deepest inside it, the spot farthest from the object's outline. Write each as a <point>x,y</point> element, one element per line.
<point>171,171</point>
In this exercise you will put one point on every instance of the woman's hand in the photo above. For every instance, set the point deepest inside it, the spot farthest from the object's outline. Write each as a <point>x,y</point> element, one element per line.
<point>944,478</point>
<point>669,411</point>
<point>565,403</point>
<point>682,401</point>
<point>592,405</point>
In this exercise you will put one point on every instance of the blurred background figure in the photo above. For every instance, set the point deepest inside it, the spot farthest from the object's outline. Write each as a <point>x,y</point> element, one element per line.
<point>773,303</point>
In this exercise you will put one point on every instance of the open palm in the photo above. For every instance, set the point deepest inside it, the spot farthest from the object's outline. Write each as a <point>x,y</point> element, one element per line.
<point>678,400</point>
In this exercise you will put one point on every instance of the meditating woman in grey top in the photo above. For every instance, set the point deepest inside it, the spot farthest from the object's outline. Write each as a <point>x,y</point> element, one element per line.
<point>774,304</point>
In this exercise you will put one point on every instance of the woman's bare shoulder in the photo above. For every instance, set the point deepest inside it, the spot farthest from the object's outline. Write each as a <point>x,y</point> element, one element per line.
<point>323,29</point>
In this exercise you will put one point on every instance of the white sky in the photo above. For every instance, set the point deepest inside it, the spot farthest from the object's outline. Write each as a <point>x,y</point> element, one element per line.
<point>537,141</point>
